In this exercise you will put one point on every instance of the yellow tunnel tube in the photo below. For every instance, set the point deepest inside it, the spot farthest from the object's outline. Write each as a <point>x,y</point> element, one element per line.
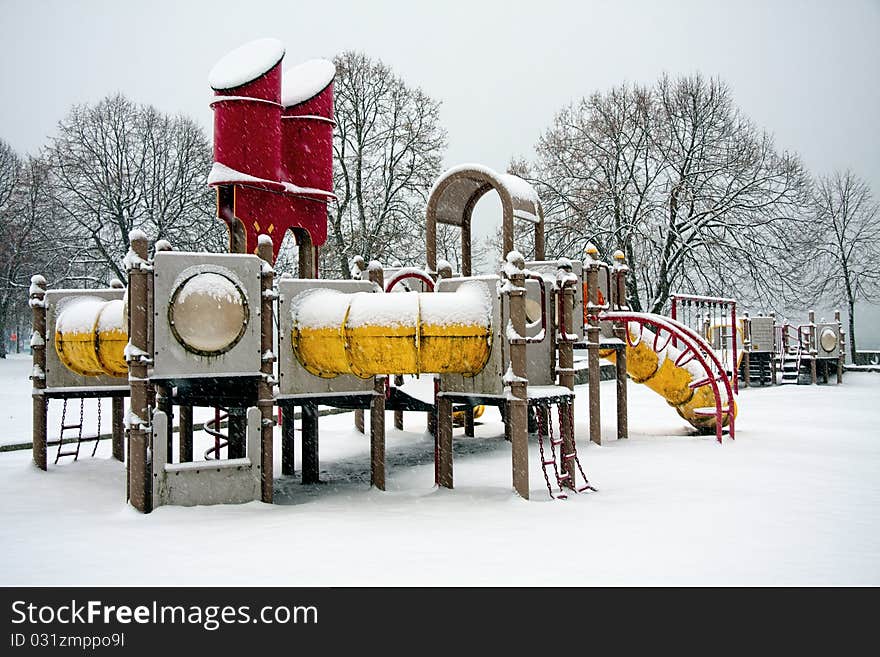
<point>643,365</point>
<point>90,336</point>
<point>368,334</point>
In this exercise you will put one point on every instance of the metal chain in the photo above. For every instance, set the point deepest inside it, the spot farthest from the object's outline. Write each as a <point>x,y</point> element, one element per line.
<point>98,432</point>
<point>543,458</point>
<point>587,485</point>
<point>542,432</point>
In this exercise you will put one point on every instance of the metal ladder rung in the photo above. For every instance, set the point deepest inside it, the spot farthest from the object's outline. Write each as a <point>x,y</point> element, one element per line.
<point>64,427</point>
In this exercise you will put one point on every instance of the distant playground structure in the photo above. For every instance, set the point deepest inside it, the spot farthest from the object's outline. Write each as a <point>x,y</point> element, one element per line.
<point>222,331</point>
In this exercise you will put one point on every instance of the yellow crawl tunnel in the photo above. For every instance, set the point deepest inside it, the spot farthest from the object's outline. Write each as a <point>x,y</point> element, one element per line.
<point>90,336</point>
<point>367,334</point>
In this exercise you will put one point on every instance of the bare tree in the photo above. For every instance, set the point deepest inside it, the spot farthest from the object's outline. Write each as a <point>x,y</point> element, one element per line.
<point>117,166</point>
<point>674,175</point>
<point>388,149</point>
<point>840,255</point>
<point>31,240</point>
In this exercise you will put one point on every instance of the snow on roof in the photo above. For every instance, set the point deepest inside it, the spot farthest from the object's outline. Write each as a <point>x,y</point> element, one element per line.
<point>468,166</point>
<point>521,189</point>
<point>305,81</point>
<point>246,63</point>
<point>222,174</point>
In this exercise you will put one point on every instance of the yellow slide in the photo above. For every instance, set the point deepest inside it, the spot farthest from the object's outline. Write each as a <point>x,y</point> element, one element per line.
<point>675,383</point>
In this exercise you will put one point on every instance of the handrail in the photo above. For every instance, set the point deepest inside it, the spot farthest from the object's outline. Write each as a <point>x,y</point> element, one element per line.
<point>543,334</point>
<point>410,273</point>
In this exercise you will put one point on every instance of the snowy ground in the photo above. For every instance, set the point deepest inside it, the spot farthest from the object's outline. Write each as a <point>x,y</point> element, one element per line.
<point>792,501</point>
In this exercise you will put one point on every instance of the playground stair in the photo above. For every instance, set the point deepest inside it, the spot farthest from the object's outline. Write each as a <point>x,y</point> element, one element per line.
<point>760,372</point>
<point>792,365</point>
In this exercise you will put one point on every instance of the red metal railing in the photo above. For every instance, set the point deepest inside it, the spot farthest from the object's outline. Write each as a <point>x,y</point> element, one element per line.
<point>695,348</point>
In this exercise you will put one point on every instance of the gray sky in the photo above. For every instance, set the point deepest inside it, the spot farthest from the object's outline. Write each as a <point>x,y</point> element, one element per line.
<point>809,72</point>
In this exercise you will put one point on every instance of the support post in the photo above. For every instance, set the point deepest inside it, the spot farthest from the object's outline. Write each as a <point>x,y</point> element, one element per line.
<point>813,350</point>
<point>734,370</point>
<point>518,399</point>
<point>311,467</point>
<point>37,302</point>
<point>185,438</point>
<point>593,338</point>
<point>620,329</point>
<point>566,368</point>
<point>163,403</point>
<point>288,440</point>
<point>358,265</point>
<point>443,418</point>
<point>398,415</point>
<point>376,275</point>
<point>236,427</point>
<point>841,353</point>
<point>774,354</point>
<point>265,398</point>
<point>747,348</point>
<point>469,421</point>
<point>139,284</point>
<point>377,434</point>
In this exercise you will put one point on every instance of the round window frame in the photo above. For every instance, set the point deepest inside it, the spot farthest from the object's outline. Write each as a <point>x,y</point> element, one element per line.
<point>201,352</point>
<point>828,331</point>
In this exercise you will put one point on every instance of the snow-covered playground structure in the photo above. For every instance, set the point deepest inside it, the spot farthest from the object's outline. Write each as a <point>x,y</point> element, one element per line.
<point>220,330</point>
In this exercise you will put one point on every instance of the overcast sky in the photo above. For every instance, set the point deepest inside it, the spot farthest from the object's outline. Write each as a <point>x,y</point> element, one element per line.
<point>809,72</point>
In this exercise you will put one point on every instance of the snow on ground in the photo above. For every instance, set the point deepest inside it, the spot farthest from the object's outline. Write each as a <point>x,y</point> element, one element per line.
<point>792,501</point>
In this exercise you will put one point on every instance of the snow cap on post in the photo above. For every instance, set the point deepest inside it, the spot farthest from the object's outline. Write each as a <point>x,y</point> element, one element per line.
<point>591,251</point>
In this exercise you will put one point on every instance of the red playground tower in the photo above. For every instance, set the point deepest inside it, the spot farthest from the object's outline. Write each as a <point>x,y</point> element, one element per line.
<point>273,147</point>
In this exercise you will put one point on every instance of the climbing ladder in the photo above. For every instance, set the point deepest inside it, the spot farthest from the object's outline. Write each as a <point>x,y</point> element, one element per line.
<point>80,436</point>
<point>558,460</point>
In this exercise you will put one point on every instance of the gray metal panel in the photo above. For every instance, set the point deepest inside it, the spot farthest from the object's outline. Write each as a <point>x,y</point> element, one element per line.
<point>763,334</point>
<point>294,379</point>
<point>488,381</point>
<point>540,356</point>
<point>820,351</point>
<point>58,376</point>
<point>577,268</point>
<point>172,360</point>
<point>229,481</point>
